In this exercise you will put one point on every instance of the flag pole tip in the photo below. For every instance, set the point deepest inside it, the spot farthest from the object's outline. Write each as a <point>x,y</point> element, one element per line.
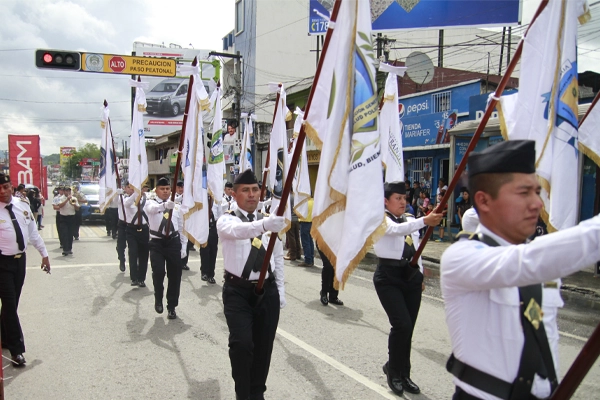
<point>105,103</point>
<point>139,79</point>
<point>195,62</point>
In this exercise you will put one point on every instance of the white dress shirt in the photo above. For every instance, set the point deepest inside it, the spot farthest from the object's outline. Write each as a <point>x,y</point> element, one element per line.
<point>234,235</point>
<point>68,208</point>
<point>121,201</point>
<point>391,244</point>
<point>155,209</point>
<point>480,289</point>
<point>8,236</point>
<point>228,204</point>
<point>131,209</point>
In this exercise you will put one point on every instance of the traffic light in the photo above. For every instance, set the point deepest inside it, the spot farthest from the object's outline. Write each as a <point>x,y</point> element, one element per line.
<point>58,59</point>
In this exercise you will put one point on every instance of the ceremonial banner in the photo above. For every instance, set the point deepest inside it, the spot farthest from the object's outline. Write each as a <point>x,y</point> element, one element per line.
<point>195,195</point>
<point>546,107</point>
<point>24,158</point>
<point>246,161</point>
<point>216,160</point>
<point>279,161</point>
<point>301,186</point>
<point>138,159</point>
<point>108,173</point>
<point>348,211</point>
<point>391,126</point>
<point>589,133</point>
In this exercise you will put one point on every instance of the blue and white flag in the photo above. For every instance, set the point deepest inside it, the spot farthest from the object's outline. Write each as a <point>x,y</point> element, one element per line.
<point>246,161</point>
<point>108,168</point>
<point>215,158</point>
<point>138,159</point>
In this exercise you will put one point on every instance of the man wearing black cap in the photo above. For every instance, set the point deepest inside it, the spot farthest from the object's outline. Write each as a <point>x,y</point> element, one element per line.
<point>179,192</point>
<point>138,235</point>
<point>66,207</point>
<point>399,285</point>
<point>492,280</point>
<point>228,203</point>
<point>252,321</point>
<point>55,202</point>
<point>17,228</point>
<point>208,254</point>
<point>167,246</point>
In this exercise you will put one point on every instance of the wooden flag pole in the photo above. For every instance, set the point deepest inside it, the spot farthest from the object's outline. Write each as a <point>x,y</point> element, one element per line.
<point>488,112</point>
<point>112,139</point>
<point>296,156</point>
<point>181,142</point>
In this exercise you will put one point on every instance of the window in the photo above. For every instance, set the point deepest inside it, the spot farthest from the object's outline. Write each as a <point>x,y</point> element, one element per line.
<point>239,16</point>
<point>442,101</point>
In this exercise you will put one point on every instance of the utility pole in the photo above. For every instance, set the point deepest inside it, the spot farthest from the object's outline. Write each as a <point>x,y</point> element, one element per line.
<point>441,49</point>
<point>502,50</point>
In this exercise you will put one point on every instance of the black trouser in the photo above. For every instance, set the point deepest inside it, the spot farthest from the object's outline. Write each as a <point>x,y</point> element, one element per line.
<point>401,300</point>
<point>251,335</point>
<point>189,246</point>
<point>111,218</point>
<point>138,239</point>
<point>66,228</point>
<point>12,277</point>
<point>58,228</point>
<point>78,221</point>
<point>121,234</point>
<point>293,241</point>
<point>327,274</point>
<point>208,254</point>
<point>166,251</point>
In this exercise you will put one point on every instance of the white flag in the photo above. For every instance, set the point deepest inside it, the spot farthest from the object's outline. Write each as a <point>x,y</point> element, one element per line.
<point>108,171</point>
<point>246,161</point>
<point>301,185</point>
<point>278,158</point>
<point>195,196</point>
<point>348,211</point>
<point>391,126</point>
<point>138,159</point>
<point>589,134</point>
<point>546,108</point>
<point>216,161</point>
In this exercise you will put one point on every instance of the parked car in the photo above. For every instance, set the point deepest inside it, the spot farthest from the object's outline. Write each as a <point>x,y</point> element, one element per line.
<point>167,97</point>
<point>91,210</point>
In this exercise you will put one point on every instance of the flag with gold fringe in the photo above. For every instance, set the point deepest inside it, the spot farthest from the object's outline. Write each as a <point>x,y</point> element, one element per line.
<point>138,160</point>
<point>108,169</point>
<point>589,133</point>
<point>215,158</point>
<point>348,211</point>
<point>301,186</point>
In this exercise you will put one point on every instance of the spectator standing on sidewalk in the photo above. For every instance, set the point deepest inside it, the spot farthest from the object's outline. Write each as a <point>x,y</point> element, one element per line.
<point>328,294</point>
<point>293,236</point>
<point>307,241</point>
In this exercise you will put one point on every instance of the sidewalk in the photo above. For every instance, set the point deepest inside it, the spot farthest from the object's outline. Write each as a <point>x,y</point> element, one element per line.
<point>581,287</point>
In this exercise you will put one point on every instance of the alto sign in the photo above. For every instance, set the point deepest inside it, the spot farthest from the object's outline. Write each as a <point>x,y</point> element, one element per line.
<point>116,64</point>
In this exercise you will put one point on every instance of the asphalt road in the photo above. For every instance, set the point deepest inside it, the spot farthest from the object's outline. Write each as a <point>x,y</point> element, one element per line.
<point>90,335</point>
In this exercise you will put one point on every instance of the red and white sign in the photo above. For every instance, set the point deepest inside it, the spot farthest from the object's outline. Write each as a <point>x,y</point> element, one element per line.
<point>117,64</point>
<point>25,161</point>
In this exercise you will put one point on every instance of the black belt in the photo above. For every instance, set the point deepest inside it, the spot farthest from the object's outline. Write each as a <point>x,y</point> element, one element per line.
<point>390,262</point>
<point>478,379</point>
<point>241,282</point>
<point>18,255</point>
<point>176,235</point>
<point>138,227</point>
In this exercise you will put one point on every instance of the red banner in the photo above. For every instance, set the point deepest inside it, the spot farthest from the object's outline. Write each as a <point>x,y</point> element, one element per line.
<point>25,165</point>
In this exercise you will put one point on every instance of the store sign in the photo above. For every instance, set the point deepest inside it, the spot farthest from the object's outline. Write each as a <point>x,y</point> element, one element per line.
<point>424,130</point>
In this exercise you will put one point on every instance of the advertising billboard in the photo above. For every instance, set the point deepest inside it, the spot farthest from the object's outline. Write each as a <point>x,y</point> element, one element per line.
<point>65,154</point>
<point>166,96</point>
<point>387,15</point>
<point>428,129</point>
<point>25,160</point>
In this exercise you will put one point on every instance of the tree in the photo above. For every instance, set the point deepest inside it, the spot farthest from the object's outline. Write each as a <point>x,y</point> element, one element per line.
<point>89,150</point>
<point>52,159</point>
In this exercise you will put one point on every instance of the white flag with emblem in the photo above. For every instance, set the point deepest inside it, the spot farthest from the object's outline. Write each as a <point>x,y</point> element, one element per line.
<point>301,186</point>
<point>195,195</point>
<point>215,158</point>
<point>246,161</point>
<point>278,157</point>
<point>589,137</point>
<point>348,211</point>
<point>138,160</point>
<point>546,108</point>
<point>108,168</point>
<point>391,126</point>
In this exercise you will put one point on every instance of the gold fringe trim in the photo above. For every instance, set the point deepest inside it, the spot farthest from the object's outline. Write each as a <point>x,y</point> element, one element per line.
<point>193,240</point>
<point>197,207</point>
<point>141,108</point>
<point>301,203</point>
<point>102,124</point>
<point>544,213</point>
<point>502,120</point>
<point>288,116</point>
<point>586,16</point>
<point>590,153</point>
<point>313,135</point>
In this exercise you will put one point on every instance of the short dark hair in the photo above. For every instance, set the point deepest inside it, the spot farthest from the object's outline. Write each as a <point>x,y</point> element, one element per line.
<point>488,183</point>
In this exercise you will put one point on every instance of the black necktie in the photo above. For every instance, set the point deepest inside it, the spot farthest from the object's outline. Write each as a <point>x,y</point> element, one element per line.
<point>250,217</point>
<point>18,231</point>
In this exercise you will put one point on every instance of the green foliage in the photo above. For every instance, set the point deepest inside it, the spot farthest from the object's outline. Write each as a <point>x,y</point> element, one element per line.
<point>72,168</point>
<point>52,159</point>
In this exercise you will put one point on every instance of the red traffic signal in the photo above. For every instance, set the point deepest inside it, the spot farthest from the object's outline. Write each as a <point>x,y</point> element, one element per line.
<point>58,59</point>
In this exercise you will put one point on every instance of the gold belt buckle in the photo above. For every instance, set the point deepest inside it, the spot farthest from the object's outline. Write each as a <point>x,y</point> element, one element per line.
<point>534,313</point>
<point>18,255</point>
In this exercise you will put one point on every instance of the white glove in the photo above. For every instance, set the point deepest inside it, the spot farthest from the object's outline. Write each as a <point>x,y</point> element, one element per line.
<point>274,223</point>
<point>282,302</point>
<point>183,253</point>
<point>120,191</point>
<point>169,204</point>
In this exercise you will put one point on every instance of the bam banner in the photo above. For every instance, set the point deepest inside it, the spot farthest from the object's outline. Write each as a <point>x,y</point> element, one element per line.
<point>25,159</point>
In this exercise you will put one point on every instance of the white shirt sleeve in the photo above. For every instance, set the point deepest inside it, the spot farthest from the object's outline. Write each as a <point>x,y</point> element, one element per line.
<point>277,260</point>
<point>230,227</point>
<point>130,200</point>
<point>404,228</point>
<point>36,240</point>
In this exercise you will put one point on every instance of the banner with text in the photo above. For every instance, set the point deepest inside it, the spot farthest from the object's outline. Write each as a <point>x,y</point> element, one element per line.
<point>24,155</point>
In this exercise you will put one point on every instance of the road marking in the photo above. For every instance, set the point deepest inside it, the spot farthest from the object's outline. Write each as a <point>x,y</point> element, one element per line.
<point>337,365</point>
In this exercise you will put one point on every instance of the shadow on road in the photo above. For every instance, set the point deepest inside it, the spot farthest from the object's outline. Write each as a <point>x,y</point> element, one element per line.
<point>11,373</point>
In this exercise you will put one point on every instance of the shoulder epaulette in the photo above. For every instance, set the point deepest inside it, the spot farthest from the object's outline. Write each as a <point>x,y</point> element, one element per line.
<point>467,235</point>
<point>231,212</point>
<point>409,215</point>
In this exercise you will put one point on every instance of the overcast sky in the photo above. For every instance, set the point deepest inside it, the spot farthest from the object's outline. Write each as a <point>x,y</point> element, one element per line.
<point>64,107</point>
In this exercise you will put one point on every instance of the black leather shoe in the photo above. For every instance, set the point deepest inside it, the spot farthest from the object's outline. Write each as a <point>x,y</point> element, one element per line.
<point>77,238</point>
<point>64,253</point>
<point>185,268</point>
<point>204,277</point>
<point>212,280</point>
<point>410,386</point>
<point>122,266</point>
<point>171,314</point>
<point>141,284</point>
<point>158,308</point>
<point>134,283</point>
<point>336,301</point>
<point>323,298</point>
<point>394,383</point>
<point>18,360</point>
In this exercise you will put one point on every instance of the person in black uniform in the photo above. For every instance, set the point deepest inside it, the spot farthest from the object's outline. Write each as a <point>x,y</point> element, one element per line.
<point>67,207</point>
<point>165,249</point>
<point>120,225</point>
<point>398,285</point>
<point>252,321</point>
<point>208,254</point>
<point>17,228</point>
<point>60,191</point>
<point>138,235</point>
<point>179,187</point>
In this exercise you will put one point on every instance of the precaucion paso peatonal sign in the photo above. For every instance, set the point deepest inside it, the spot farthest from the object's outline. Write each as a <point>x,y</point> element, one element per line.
<point>129,65</point>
